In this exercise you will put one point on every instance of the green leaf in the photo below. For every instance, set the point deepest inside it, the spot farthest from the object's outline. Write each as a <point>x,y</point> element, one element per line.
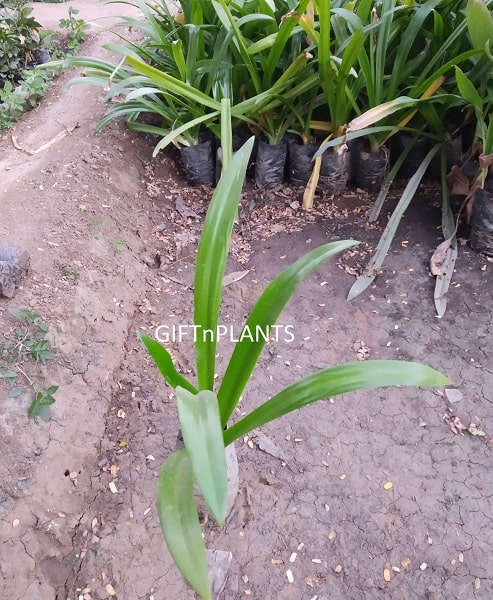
<point>202,433</point>
<point>173,85</point>
<point>180,522</point>
<point>479,23</point>
<point>164,363</point>
<point>332,382</point>
<point>263,315</point>
<point>8,374</point>
<point>467,90</point>
<point>15,392</point>
<point>40,406</point>
<point>211,262</point>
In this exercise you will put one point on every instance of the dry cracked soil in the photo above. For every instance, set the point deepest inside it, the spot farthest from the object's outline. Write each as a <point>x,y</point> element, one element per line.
<point>374,495</point>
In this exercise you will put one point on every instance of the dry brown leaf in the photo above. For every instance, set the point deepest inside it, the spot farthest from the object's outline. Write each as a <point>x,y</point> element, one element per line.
<point>455,424</point>
<point>458,183</point>
<point>439,256</point>
<point>485,161</point>
<point>183,209</point>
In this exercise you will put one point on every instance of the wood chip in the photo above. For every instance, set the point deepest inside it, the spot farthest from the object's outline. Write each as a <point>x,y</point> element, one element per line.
<point>15,523</point>
<point>110,589</point>
<point>332,535</point>
<point>293,556</point>
<point>338,568</point>
<point>405,563</point>
<point>423,566</point>
<point>477,583</point>
<point>386,575</point>
<point>289,575</point>
<point>461,557</point>
<point>113,487</point>
<point>276,561</point>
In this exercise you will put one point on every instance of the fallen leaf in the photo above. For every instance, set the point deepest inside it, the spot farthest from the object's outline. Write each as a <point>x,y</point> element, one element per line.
<point>473,430</point>
<point>458,183</point>
<point>234,277</point>
<point>183,209</point>
<point>438,257</point>
<point>455,424</point>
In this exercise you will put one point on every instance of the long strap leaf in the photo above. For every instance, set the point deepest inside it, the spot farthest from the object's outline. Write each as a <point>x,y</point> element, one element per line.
<point>211,262</point>
<point>332,382</point>
<point>164,363</point>
<point>442,282</point>
<point>262,317</point>
<point>180,522</point>
<point>376,261</point>
<point>202,433</point>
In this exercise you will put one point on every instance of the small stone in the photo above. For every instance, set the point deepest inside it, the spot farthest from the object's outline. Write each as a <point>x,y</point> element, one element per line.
<point>338,568</point>
<point>453,395</point>
<point>386,575</point>
<point>423,566</point>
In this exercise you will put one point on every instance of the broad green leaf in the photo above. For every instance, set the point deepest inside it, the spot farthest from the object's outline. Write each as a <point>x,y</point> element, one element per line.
<point>332,382</point>
<point>479,23</point>
<point>180,522</point>
<point>202,433</point>
<point>376,261</point>
<point>467,89</point>
<point>164,363</point>
<point>7,373</point>
<point>211,262</point>
<point>263,315</point>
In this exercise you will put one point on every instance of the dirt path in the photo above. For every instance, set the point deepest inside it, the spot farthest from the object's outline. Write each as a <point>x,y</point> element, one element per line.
<point>98,216</point>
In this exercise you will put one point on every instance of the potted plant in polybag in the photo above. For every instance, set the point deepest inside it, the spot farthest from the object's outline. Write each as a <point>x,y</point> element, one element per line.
<point>205,408</point>
<point>337,76</point>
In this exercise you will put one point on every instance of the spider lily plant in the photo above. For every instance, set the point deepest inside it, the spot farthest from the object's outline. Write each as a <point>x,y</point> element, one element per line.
<point>476,88</point>
<point>205,407</point>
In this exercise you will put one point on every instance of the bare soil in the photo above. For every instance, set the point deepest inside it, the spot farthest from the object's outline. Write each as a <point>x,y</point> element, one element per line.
<point>371,495</point>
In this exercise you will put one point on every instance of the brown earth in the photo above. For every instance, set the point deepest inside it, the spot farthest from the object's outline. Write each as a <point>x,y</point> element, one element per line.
<point>112,255</point>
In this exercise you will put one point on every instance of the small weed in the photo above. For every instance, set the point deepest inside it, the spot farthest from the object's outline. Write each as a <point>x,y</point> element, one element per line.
<point>119,245</point>
<point>40,406</point>
<point>97,224</point>
<point>76,28</point>
<point>69,274</point>
<point>25,343</point>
